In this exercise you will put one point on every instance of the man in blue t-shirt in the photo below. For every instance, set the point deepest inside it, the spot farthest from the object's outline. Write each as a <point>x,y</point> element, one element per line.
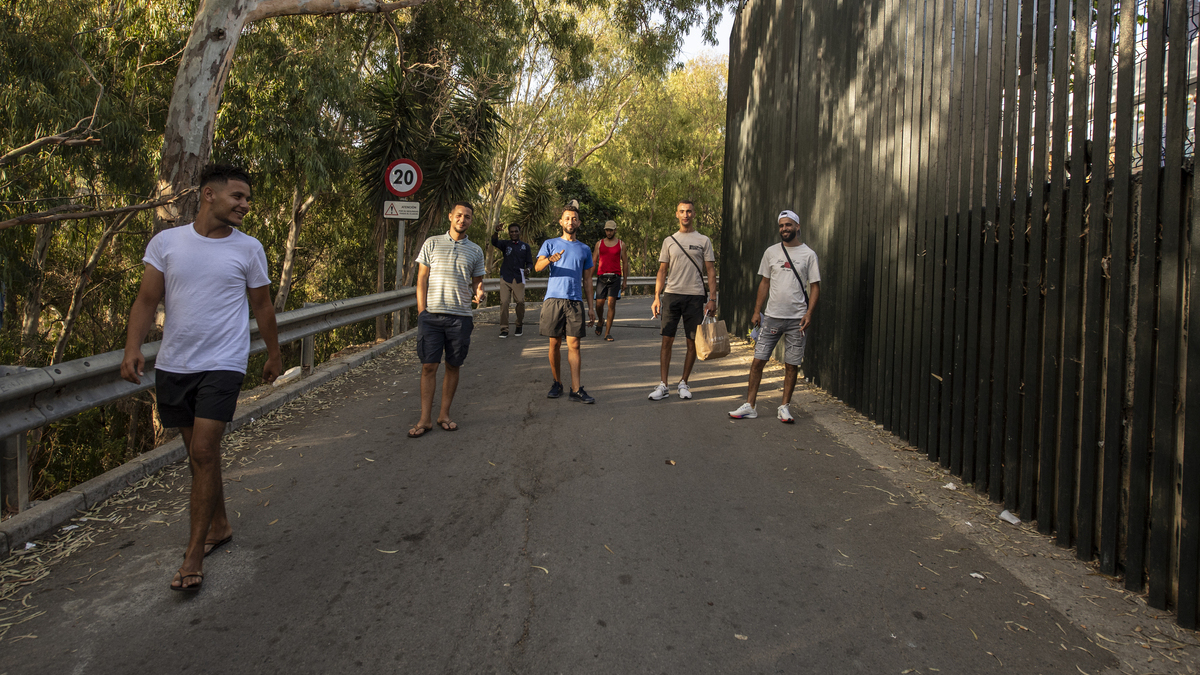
<point>570,263</point>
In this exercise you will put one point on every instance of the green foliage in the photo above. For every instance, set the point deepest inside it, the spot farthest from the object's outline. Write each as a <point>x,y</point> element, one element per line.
<point>536,201</point>
<point>594,208</point>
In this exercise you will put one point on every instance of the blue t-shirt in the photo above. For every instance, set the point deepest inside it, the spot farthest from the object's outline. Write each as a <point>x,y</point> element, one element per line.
<point>566,275</point>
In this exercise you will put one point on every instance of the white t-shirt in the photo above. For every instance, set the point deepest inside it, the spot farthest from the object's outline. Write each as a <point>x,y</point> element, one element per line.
<point>207,324</point>
<point>682,276</point>
<point>785,300</point>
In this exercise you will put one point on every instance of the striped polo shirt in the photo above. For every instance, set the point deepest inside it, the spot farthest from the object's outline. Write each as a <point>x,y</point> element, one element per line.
<point>452,264</point>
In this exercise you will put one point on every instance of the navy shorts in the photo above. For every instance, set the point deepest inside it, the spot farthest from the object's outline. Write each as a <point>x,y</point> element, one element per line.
<point>210,395</point>
<point>444,333</point>
<point>690,308</point>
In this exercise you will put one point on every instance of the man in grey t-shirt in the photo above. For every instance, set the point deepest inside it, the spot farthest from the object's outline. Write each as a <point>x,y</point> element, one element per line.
<point>791,278</point>
<point>679,294</point>
<point>449,279</point>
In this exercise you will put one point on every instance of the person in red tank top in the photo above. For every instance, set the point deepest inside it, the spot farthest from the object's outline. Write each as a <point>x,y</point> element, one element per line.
<point>612,270</point>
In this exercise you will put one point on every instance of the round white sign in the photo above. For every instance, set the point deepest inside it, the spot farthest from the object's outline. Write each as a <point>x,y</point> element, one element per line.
<point>403,177</point>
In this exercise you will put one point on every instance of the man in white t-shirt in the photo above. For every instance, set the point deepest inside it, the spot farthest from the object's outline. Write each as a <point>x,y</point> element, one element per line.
<point>207,274</point>
<point>679,294</point>
<point>792,280</point>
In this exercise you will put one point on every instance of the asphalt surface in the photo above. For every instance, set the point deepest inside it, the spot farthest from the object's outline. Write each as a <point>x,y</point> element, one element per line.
<point>544,536</point>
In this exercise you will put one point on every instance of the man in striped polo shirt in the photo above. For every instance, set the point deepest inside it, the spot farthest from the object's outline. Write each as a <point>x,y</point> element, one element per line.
<point>449,268</point>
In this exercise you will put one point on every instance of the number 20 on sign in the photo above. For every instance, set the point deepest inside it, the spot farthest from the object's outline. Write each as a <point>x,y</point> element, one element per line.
<point>403,177</point>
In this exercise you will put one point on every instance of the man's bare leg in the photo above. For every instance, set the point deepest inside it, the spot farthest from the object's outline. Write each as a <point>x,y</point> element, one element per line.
<point>428,386</point>
<point>449,385</point>
<point>664,357</point>
<point>789,381</point>
<point>208,520</point>
<point>600,310</point>
<point>575,359</point>
<point>555,358</point>
<point>756,371</point>
<point>612,314</point>
<point>689,359</point>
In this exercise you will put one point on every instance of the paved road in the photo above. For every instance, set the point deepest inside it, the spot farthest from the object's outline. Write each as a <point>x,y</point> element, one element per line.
<point>544,537</point>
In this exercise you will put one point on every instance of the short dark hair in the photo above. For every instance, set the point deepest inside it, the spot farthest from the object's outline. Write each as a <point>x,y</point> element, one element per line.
<point>223,173</point>
<point>512,225</point>
<point>466,204</point>
<point>687,201</point>
<point>568,207</point>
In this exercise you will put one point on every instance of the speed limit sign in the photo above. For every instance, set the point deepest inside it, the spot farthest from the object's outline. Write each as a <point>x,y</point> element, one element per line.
<point>403,177</point>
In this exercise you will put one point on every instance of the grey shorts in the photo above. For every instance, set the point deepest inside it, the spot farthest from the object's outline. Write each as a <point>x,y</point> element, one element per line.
<point>562,318</point>
<point>768,336</point>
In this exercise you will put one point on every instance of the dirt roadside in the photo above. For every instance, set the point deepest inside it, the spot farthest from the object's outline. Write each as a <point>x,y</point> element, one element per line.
<point>1145,640</point>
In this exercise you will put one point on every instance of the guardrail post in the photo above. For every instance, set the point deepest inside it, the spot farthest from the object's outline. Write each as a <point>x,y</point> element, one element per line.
<point>14,473</point>
<point>308,352</point>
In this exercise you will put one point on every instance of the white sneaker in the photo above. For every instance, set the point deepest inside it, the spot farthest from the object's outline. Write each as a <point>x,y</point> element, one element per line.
<point>746,411</point>
<point>785,415</point>
<point>683,389</point>
<point>660,392</point>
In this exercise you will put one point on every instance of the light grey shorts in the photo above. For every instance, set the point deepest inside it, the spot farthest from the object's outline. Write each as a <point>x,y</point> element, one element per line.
<point>768,336</point>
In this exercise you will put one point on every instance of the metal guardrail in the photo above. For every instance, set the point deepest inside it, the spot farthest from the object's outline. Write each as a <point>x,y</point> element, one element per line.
<point>33,397</point>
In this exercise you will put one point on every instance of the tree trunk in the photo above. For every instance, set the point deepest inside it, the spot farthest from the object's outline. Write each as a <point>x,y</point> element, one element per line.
<point>31,321</point>
<point>81,285</point>
<point>299,211</point>
<point>191,118</point>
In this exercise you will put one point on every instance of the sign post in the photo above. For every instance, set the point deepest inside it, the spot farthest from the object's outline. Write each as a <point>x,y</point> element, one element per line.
<point>402,178</point>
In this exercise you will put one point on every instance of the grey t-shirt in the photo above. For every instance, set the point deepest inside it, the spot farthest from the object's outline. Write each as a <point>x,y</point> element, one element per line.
<point>682,276</point>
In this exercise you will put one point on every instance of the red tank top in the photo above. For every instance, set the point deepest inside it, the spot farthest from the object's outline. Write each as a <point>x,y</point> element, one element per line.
<point>610,259</point>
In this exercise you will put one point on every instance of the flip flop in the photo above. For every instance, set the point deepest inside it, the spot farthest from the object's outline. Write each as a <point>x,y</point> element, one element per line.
<point>417,432</point>
<point>183,579</point>
<point>609,338</point>
<point>599,327</point>
<point>216,545</point>
<point>446,425</point>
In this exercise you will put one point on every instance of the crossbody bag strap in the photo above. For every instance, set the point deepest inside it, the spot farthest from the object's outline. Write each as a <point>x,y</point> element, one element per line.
<point>794,272</point>
<point>693,261</point>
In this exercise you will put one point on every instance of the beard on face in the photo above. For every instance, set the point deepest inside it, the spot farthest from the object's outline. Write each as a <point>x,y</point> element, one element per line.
<point>570,229</point>
<point>787,236</point>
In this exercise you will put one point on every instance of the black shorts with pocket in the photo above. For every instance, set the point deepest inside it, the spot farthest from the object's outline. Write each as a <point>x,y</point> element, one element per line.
<point>444,333</point>
<point>183,397</point>
<point>690,308</point>
<point>562,318</point>
<point>608,286</point>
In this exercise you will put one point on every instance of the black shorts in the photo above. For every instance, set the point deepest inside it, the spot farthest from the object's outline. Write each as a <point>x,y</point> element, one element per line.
<point>448,333</point>
<point>608,286</point>
<point>210,395</point>
<point>562,318</point>
<point>690,308</point>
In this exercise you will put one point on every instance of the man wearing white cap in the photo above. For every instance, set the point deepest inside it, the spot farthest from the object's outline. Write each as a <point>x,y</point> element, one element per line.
<point>792,281</point>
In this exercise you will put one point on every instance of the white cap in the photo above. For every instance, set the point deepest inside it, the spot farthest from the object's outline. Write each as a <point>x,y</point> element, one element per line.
<point>790,215</point>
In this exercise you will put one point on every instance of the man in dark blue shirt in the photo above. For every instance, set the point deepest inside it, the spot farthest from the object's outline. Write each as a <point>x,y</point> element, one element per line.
<point>513,270</point>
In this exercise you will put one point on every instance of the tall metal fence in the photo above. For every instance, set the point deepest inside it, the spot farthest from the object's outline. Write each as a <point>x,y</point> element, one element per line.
<point>1000,193</point>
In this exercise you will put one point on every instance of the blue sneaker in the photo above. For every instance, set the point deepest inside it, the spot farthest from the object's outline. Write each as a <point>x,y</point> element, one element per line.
<point>581,396</point>
<point>556,390</point>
